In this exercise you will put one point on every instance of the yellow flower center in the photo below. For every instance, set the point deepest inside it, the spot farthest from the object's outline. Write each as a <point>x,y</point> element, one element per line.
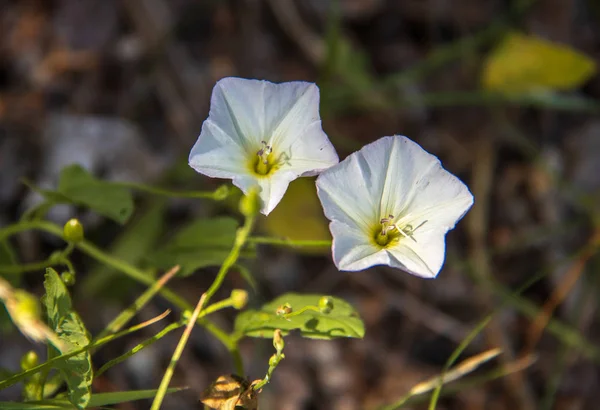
<point>264,162</point>
<point>389,233</point>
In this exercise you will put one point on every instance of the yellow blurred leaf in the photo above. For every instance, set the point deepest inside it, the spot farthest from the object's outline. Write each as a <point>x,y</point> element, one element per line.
<point>299,215</point>
<point>522,64</point>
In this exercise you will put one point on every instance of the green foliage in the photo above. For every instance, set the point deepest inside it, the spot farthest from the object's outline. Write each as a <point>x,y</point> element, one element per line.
<point>136,241</point>
<point>204,242</point>
<point>96,400</point>
<point>77,370</point>
<point>341,321</point>
<point>77,186</point>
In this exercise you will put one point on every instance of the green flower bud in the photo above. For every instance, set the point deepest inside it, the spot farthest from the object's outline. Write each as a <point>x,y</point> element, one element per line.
<point>239,298</point>
<point>273,361</point>
<point>29,360</point>
<point>221,193</point>
<point>278,342</point>
<point>326,304</point>
<point>187,315</point>
<point>284,309</point>
<point>73,231</point>
<point>68,278</point>
<point>250,203</point>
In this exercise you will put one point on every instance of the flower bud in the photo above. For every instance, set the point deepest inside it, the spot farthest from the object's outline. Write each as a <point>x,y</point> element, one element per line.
<point>273,361</point>
<point>250,203</point>
<point>284,309</point>
<point>29,360</point>
<point>187,315</point>
<point>68,278</point>
<point>278,342</point>
<point>239,298</point>
<point>221,193</point>
<point>73,231</point>
<point>326,304</point>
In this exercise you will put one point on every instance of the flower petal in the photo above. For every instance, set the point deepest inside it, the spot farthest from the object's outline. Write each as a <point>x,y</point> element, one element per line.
<point>237,107</point>
<point>310,153</point>
<point>439,198</point>
<point>344,191</point>
<point>215,155</point>
<point>424,257</point>
<point>351,250</point>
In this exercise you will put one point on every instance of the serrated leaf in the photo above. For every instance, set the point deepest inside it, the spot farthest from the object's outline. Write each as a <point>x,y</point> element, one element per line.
<point>204,242</point>
<point>77,370</point>
<point>341,321</point>
<point>524,64</point>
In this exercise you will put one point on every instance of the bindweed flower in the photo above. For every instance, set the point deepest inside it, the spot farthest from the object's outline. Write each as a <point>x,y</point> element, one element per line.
<point>265,134</point>
<point>391,203</point>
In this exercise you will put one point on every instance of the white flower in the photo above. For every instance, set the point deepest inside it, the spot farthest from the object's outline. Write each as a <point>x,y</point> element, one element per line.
<point>265,134</point>
<point>391,203</point>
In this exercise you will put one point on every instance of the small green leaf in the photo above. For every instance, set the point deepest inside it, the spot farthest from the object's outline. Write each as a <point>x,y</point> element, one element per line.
<point>77,370</point>
<point>341,321</point>
<point>107,199</point>
<point>204,242</point>
<point>77,186</point>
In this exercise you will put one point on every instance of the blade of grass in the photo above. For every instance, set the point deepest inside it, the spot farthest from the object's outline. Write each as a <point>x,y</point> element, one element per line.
<point>164,384</point>
<point>139,347</point>
<point>125,316</point>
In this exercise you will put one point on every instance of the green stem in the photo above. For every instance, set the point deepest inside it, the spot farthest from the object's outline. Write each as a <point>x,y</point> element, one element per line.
<point>222,304</point>
<point>217,194</point>
<point>164,384</point>
<point>299,312</point>
<point>48,364</point>
<point>28,267</point>
<point>241,237</point>
<point>129,270</point>
<point>287,242</point>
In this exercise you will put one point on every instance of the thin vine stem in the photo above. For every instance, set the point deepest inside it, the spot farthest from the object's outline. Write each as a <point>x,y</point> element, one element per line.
<point>218,194</point>
<point>134,273</point>
<point>288,242</point>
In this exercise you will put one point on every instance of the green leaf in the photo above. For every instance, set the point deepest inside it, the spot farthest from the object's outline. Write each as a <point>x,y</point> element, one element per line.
<point>342,321</point>
<point>97,400</point>
<point>77,186</point>
<point>107,199</point>
<point>77,370</point>
<point>204,242</point>
<point>523,64</point>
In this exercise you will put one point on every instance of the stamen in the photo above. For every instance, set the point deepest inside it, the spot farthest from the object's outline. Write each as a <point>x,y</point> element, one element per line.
<point>262,164</point>
<point>391,231</point>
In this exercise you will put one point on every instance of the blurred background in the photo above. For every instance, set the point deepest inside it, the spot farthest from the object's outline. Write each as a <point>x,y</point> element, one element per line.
<point>505,92</point>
